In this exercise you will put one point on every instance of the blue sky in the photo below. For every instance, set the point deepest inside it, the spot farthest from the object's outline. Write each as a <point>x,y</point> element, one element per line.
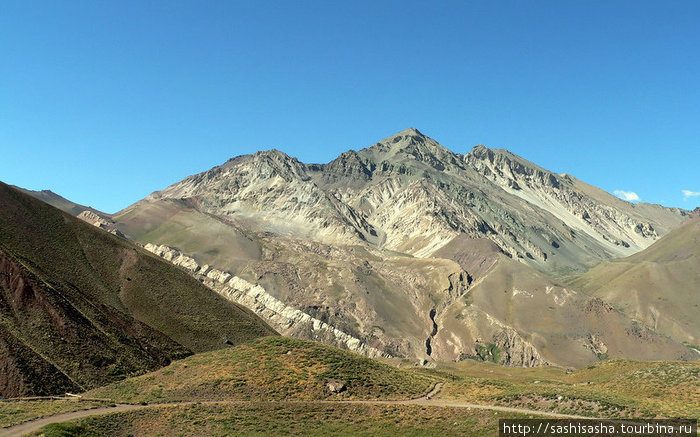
<point>104,102</point>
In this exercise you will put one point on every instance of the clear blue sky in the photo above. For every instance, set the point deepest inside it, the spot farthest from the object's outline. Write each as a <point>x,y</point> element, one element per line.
<point>104,102</point>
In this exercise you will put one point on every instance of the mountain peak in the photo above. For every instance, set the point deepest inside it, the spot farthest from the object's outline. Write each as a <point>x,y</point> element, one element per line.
<point>411,145</point>
<point>479,148</point>
<point>480,151</point>
<point>271,152</point>
<point>407,134</point>
<point>410,132</point>
<point>407,141</point>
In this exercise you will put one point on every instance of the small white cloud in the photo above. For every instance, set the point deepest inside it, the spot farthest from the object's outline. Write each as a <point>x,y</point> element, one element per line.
<point>687,193</point>
<point>629,196</point>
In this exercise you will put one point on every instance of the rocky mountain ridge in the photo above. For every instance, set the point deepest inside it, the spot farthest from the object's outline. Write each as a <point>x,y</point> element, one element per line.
<point>409,194</point>
<point>414,250</point>
<point>100,221</point>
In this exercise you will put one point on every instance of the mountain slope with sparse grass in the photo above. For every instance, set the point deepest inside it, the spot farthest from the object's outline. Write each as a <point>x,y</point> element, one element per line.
<point>294,419</point>
<point>272,368</point>
<point>659,286</point>
<point>274,386</point>
<point>612,388</point>
<point>80,307</point>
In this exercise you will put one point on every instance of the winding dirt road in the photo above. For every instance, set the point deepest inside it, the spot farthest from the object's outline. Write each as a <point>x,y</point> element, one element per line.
<point>36,424</point>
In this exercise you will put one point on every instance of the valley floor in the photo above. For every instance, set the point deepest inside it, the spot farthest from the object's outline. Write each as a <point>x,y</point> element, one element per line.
<point>445,409</point>
<point>284,386</point>
<point>414,416</point>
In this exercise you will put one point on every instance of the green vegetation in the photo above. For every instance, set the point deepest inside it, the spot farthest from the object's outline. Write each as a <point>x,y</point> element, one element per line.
<point>298,418</point>
<point>691,346</point>
<point>277,385</point>
<point>14,412</point>
<point>490,352</point>
<point>611,388</point>
<point>271,368</point>
<point>67,430</point>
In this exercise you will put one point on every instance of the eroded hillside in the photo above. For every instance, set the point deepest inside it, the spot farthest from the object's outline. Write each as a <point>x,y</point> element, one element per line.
<point>416,251</point>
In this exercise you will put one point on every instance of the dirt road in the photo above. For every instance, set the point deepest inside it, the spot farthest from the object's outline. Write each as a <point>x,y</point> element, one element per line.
<point>34,425</point>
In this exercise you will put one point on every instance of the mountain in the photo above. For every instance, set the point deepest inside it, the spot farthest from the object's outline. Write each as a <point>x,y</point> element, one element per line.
<point>420,195</point>
<point>408,193</point>
<point>658,285</point>
<point>80,307</point>
<point>58,201</point>
<point>414,250</point>
<point>85,213</point>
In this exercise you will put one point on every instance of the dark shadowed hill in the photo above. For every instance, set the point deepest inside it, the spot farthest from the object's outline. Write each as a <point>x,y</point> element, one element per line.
<point>58,201</point>
<point>80,307</point>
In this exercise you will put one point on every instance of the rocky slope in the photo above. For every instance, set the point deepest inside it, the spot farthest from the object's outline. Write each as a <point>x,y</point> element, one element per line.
<point>419,195</point>
<point>100,221</point>
<point>526,319</point>
<point>401,244</point>
<point>408,193</point>
<point>285,319</point>
<point>80,307</point>
<point>659,286</point>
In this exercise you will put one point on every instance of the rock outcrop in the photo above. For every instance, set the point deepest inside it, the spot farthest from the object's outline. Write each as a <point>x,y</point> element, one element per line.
<point>517,351</point>
<point>285,319</point>
<point>101,222</point>
<point>408,193</point>
<point>410,249</point>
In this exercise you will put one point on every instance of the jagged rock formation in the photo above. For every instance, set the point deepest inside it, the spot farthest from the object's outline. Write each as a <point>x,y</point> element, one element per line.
<point>580,207</point>
<point>415,250</point>
<point>408,193</point>
<point>101,222</point>
<point>418,196</point>
<point>285,319</point>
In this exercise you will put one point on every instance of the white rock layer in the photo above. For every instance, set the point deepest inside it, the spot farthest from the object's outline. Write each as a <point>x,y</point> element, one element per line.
<point>284,318</point>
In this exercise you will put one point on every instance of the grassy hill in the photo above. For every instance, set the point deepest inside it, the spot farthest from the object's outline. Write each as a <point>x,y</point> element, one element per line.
<point>177,223</point>
<point>611,388</point>
<point>278,386</point>
<point>80,307</point>
<point>270,368</point>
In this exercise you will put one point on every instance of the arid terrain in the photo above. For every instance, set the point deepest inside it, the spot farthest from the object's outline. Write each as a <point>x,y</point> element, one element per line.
<point>416,291</point>
<point>412,251</point>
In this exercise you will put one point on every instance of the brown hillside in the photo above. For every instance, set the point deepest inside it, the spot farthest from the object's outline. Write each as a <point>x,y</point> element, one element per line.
<point>79,302</point>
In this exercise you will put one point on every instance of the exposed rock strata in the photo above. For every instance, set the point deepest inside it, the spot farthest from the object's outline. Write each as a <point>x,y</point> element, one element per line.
<point>373,241</point>
<point>106,224</point>
<point>285,319</point>
<point>408,193</point>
